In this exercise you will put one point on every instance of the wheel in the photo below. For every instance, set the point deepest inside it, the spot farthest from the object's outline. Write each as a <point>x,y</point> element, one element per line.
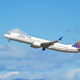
<point>43,49</point>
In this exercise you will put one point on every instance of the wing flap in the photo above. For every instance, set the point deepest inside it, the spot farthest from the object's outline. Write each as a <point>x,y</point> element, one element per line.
<point>49,43</point>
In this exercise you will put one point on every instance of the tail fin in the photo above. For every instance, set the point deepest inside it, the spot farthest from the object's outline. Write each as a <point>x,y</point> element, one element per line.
<point>60,38</point>
<point>77,44</point>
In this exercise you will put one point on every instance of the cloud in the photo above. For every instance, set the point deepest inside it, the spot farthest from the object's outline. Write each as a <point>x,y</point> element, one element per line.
<point>13,51</point>
<point>21,57</point>
<point>4,48</point>
<point>8,74</point>
<point>27,75</point>
<point>71,74</point>
<point>35,63</point>
<point>16,30</point>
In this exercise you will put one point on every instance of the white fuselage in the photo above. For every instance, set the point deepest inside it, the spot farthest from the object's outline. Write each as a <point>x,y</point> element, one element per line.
<point>36,42</point>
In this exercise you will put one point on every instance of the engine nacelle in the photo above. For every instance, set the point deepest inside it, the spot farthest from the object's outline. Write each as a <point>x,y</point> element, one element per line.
<point>36,45</point>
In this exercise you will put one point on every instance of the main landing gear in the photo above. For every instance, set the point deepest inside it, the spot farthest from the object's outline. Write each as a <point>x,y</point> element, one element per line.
<point>43,48</point>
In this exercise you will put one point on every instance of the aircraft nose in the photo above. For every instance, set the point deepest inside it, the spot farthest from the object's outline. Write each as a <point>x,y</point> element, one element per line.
<point>5,35</point>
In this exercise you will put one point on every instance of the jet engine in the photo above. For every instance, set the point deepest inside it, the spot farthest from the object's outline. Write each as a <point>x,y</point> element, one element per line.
<point>36,45</point>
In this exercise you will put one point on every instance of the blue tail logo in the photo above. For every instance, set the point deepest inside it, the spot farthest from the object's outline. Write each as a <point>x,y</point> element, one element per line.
<point>60,38</point>
<point>77,45</point>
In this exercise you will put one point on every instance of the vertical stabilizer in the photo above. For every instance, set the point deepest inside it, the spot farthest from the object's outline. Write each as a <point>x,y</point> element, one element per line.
<point>77,44</point>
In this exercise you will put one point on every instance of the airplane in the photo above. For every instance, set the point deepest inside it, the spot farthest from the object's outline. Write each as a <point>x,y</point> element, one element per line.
<point>44,44</point>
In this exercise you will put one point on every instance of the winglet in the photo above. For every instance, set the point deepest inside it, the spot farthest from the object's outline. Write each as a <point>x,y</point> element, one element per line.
<point>60,38</point>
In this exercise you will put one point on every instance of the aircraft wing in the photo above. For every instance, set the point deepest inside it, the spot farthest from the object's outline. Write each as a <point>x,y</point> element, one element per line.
<point>47,44</point>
